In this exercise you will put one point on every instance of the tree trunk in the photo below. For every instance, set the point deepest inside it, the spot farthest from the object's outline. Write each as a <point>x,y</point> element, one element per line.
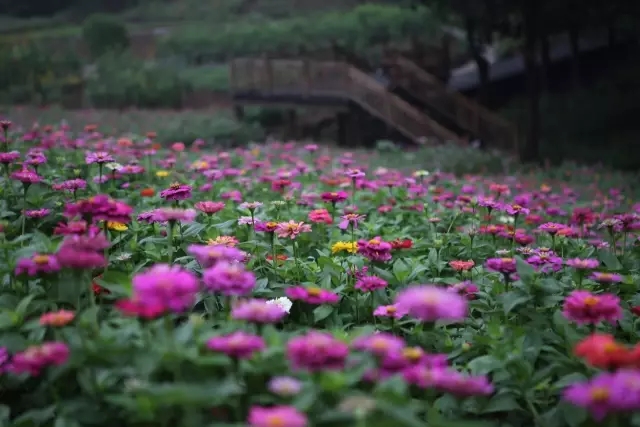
<point>530,152</point>
<point>481,62</point>
<point>574,42</point>
<point>545,56</point>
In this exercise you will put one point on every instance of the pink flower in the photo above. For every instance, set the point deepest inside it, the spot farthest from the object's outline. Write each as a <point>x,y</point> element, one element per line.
<point>171,287</point>
<point>334,197</point>
<point>230,279</point>
<point>389,311</point>
<point>501,265</point>
<point>605,277</point>
<point>209,255</point>
<point>312,295</point>
<point>583,307</point>
<point>317,351</point>
<point>258,311</point>
<point>320,216</point>
<point>176,191</point>
<point>37,264</point>
<point>430,303</point>
<point>276,416</point>
<point>35,358</point>
<point>239,345</point>
<point>350,220</point>
<point>292,229</point>
<point>100,157</point>
<point>209,208</point>
<point>370,283</point>
<point>375,249</point>
<point>379,344</point>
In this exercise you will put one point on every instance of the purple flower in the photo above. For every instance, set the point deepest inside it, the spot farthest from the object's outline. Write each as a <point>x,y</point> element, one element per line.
<point>605,277</point>
<point>317,351</point>
<point>370,283</point>
<point>583,264</point>
<point>230,279</point>
<point>605,394</point>
<point>284,386</point>
<point>37,264</point>
<point>285,416</point>
<point>238,345</point>
<point>208,255</point>
<point>430,303</point>
<point>171,287</point>
<point>351,219</point>
<point>100,157</point>
<point>502,265</point>
<point>176,191</point>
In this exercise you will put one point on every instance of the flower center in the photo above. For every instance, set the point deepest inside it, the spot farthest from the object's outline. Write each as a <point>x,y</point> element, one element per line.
<point>41,259</point>
<point>590,301</point>
<point>314,292</point>
<point>600,394</point>
<point>412,353</point>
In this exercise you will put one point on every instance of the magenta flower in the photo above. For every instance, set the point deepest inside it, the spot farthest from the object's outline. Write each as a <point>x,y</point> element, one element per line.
<point>83,251</point>
<point>375,249</point>
<point>26,177</point>
<point>583,307</point>
<point>370,283</point>
<point>605,394</point>
<point>230,279</point>
<point>312,295</point>
<point>258,311</point>
<point>238,345</point>
<point>100,157</point>
<point>35,358</point>
<point>9,158</point>
<point>501,265</point>
<point>430,303</point>
<point>176,191</point>
<point>171,287</point>
<point>173,215</point>
<point>515,209</point>
<point>37,213</point>
<point>317,351</point>
<point>137,308</point>
<point>72,185</point>
<point>100,208</point>
<point>389,311</point>
<point>209,255</point>
<point>37,264</point>
<point>276,416</point>
<point>583,264</point>
<point>354,173</point>
<point>209,208</point>
<point>379,344</point>
<point>466,289</point>
<point>605,277</point>
<point>334,197</point>
<point>351,219</point>
<point>552,227</point>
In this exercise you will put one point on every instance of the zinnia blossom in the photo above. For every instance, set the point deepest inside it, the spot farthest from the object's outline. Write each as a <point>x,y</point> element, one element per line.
<point>292,229</point>
<point>583,307</point>
<point>431,303</point>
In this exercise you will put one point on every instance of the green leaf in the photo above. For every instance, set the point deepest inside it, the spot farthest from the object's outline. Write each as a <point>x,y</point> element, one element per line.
<point>609,260</point>
<point>525,270</point>
<point>502,403</point>
<point>569,379</point>
<point>322,312</point>
<point>511,300</point>
<point>399,414</point>
<point>484,365</point>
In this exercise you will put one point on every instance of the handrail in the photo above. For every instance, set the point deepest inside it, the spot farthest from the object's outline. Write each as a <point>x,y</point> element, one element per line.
<point>339,79</point>
<point>466,113</point>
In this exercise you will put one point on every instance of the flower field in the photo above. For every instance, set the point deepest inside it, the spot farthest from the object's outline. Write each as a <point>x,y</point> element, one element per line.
<point>286,285</point>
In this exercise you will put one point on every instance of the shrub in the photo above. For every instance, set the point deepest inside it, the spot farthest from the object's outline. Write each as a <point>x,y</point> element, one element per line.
<point>357,30</point>
<point>104,33</point>
<point>120,81</point>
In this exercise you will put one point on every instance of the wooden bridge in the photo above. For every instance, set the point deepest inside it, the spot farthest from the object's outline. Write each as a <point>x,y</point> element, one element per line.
<point>334,83</point>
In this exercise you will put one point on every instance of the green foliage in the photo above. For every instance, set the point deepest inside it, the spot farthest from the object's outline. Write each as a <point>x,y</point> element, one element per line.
<point>219,129</point>
<point>120,81</point>
<point>104,33</point>
<point>31,73</point>
<point>361,28</point>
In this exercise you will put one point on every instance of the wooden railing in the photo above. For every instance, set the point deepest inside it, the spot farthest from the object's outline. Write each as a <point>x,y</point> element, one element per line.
<point>307,78</point>
<point>472,117</point>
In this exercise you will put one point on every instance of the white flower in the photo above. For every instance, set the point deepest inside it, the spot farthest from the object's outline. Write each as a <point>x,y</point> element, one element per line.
<point>506,219</point>
<point>113,166</point>
<point>282,302</point>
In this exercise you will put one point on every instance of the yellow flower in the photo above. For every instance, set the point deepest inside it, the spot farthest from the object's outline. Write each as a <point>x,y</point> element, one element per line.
<point>228,241</point>
<point>199,165</point>
<point>162,174</point>
<point>116,226</point>
<point>351,247</point>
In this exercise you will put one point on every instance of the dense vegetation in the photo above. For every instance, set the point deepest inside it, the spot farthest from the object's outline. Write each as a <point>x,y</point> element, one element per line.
<point>284,285</point>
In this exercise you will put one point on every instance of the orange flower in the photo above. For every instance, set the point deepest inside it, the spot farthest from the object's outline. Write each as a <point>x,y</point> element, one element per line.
<point>57,318</point>
<point>602,351</point>
<point>459,265</point>
<point>151,135</point>
<point>280,258</point>
<point>401,244</point>
<point>90,128</point>
<point>124,142</point>
<point>147,192</point>
<point>156,146</point>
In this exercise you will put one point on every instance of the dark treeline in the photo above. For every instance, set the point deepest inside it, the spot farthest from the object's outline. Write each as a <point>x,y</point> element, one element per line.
<point>43,8</point>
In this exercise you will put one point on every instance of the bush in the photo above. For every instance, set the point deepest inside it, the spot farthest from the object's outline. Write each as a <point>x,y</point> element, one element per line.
<point>120,81</point>
<point>221,130</point>
<point>357,30</point>
<point>104,33</point>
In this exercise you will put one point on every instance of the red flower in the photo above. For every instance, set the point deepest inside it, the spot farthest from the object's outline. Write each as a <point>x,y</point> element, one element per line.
<point>462,265</point>
<point>97,289</point>
<point>401,244</point>
<point>602,351</point>
<point>636,310</point>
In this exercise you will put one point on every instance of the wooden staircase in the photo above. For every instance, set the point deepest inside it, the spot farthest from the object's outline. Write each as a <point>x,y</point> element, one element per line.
<point>465,114</point>
<point>303,81</point>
